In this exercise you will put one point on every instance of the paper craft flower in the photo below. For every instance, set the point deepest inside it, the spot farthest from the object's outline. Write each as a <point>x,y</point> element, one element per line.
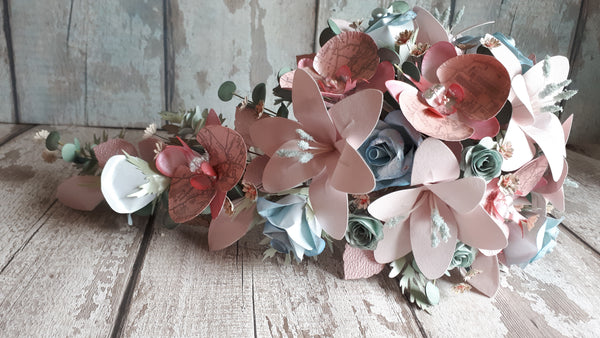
<point>429,219</point>
<point>458,96</point>
<point>463,257</point>
<point>291,226</point>
<point>482,160</point>
<point>199,180</point>
<point>347,62</point>
<point>389,150</point>
<point>321,146</point>
<point>364,232</point>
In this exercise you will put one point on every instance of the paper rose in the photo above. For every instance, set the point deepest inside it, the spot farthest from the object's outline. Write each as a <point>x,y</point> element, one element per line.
<point>291,226</point>
<point>364,232</point>
<point>464,256</point>
<point>321,146</point>
<point>389,150</point>
<point>430,218</point>
<point>482,160</point>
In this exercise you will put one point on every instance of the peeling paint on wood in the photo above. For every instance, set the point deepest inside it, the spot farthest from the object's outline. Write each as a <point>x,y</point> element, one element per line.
<point>6,92</point>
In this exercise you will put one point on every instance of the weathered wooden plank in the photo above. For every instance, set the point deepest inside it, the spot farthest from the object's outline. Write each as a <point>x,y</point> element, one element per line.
<point>582,193</point>
<point>7,112</point>
<point>243,41</point>
<point>184,290</point>
<point>8,131</point>
<point>312,298</point>
<point>70,277</point>
<point>96,62</point>
<point>585,74</point>
<point>555,296</point>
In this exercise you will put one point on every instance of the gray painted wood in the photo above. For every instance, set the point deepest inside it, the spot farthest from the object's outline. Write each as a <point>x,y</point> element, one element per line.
<point>243,41</point>
<point>8,131</point>
<point>7,113</point>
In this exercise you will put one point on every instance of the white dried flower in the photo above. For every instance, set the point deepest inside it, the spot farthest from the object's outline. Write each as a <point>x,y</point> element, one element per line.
<point>41,135</point>
<point>150,130</point>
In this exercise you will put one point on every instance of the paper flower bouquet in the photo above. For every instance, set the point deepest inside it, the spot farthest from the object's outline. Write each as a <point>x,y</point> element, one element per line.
<point>423,150</point>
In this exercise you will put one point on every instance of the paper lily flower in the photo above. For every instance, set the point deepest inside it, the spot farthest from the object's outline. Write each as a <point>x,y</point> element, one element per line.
<point>347,62</point>
<point>429,219</point>
<point>321,146</point>
<point>456,97</point>
<point>199,180</point>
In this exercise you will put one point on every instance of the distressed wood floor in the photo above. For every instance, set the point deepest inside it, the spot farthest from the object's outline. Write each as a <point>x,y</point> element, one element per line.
<point>71,273</point>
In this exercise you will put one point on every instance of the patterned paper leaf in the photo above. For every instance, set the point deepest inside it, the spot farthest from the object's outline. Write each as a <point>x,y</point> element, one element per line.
<point>185,201</point>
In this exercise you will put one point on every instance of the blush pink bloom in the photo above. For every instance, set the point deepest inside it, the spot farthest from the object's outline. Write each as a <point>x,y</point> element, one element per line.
<point>321,146</point>
<point>430,218</point>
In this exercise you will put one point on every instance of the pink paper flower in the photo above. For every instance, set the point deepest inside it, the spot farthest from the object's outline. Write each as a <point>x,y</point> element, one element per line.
<point>429,219</point>
<point>321,146</point>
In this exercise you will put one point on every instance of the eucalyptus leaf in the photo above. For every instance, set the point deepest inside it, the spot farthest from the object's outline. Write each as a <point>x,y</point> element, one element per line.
<point>411,70</point>
<point>52,140</point>
<point>399,7</point>
<point>283,111</point>
<point>69,152</point>
<point>334,27</point>
<point>433,293</point>
<point>226,91</point>
<point>259,93</point>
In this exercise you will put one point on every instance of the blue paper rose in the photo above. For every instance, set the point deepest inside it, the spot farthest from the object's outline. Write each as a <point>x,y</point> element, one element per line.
<point>291,226</point>
<point>548,241</point>
<point>389,151</point>
<point>482,160</point>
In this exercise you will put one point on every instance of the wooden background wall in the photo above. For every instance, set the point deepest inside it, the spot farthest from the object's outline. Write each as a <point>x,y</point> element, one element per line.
<point>119,62</point>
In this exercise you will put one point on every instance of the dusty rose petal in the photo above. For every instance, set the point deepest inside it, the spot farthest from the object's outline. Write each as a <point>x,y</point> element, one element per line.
<point>168,160</point>
<point>434,162</point>
<point>80,192</point>
<point>477,229</point>
<point>522,244</point>
<point>280,130</point>
<point>385,72</point>
<point>567,127</point>
<point>227,154</point>
<point>226,230</point>
<point>351,173</point>
<point>353,49</point>
<point>330,206</point>
<point>212,119</point>
<point>310,112</point>
<point>146,147</point>
<point>255,169</point>
<point>436,55</point>
<point>535,79</point>
<point>355,116</point>
<point>484,80</point>
<point>433,262</point>
<point>522,112</point>
<point>282,173</point>
<point>486,128</point>
<point>557,199</point>
<point>488,278</point>
<point>286,80</point>
<point>548,185</point>
<point>522,149</point>
<point>548,133</point>
<point>244,118</point>
<point>530,175</point>
<point>112,147</point>
<point>430,30</point>
<point>395,243</point>
<point>217,203</point>
<point>471,192</point>
<point>186,202</point>
<point>456,148</point>
<point>395,88</point>
<point>360,263</point>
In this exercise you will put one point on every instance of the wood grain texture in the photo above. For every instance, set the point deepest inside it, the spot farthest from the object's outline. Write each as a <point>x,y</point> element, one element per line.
<point>184,290</point>
<point>7,113</point>
<point>584,72</point>
<point>89,62</point>
<point>582,194</point>
<point>243,41</point>
<point>553,297</point>
<point>8,131</point>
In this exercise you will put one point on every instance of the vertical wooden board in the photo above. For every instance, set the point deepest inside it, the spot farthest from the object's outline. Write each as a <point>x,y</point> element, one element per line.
<point>541,28</point>
<point>7,113</point>
<point>50,66</point>
<point>243,41</point>
<point>8,131</point>
<point>311,298</point>
<point>553,297</point>
<point>125,69</point>
<point>70,277</point>
<point>585,74</point>
<point>184,290</point>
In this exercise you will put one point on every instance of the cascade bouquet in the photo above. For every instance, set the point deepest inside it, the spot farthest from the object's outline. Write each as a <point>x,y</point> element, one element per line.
<point>421,149</point>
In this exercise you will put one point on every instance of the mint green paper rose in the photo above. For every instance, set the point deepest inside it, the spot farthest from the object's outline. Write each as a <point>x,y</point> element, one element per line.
<point>364,232</point>
<point>482,160</point>
<point>464,256</point>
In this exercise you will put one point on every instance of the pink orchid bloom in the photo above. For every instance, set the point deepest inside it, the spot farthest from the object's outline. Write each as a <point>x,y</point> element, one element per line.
<point>430,218</point>
<point>348,62</point>
<point>202,180</point>
<point>457,96</point>
<point>321,146</point>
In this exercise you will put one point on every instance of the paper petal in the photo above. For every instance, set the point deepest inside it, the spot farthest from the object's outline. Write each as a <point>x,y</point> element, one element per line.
<point>434,162</point>
<point>282,173</point>
<point>488,280</point>
<point>557,199</point>
<point>397,203</point>
<point>471,192</point>
<point>226,230</point>
<point>309,109</point>
<point>523,149</point>
<point>547,132</point>
<point>186,202</point>
<point>255,169</point>
<point>330,206</point>
<point>227,154</point>
<point>355,116</point>
<point>353,49</point>
<point>484,80</point>
<point>522,243</point>
<point>479,230</point>
<point>507,58</point>
<point>120,179</point>
<point>487,128</point>
<point>270,133</point>
<point>80,192</point>
<point>112,147</point>
<point>244,118</point>
<point>430,30</point>
<point>360,263</point>
<point>395,88</point>
<point>395,242</point>
<point>385,72</point>
<point>170,158</point>
<point>433,262</point>
<point>217,203</point>
<point>567,127</point>
<point>212,119</point>
<point>436,55</point>
<point>351,174</point>
<point>530,174</point>
<point>416,112</point>
<point>147,147</point>
<point>522,112</point>
<point>535,79</point>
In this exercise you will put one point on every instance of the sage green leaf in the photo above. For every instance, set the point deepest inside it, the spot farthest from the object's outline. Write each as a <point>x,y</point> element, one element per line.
<point>334,27</point>
<point>226,91</point>
<point>433,293</point>
<point>69,152</point>
<point>52,140</point>
<point>283,111</point>
<point>399,7</point>
<point>259,93</point>
<point>411,70</point>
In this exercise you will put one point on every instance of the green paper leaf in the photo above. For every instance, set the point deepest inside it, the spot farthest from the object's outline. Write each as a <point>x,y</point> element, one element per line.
<point>226,91</point>
<point>52,140</point>
<point>399,7</point>
<point>259,93</point>
<point>433,293</point>
<point>334,27</point>
<point>411,70</point>
<point>69,152</point>
<point>283,111</point>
